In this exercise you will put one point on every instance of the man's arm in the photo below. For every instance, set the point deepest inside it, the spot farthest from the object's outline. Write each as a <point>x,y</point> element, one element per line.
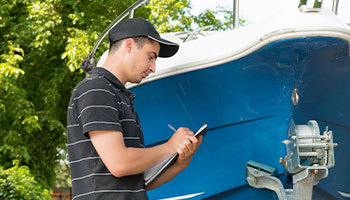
<point>186,151</point>
<point>123,161</point>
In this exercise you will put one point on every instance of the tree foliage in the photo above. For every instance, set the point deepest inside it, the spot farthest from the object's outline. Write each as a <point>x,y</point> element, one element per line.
<point>210,17</point>
<point>17,183</point>
<point>317,4</point>
<point>170,15</point>
<point>175,16</point>
<point>43,44</point>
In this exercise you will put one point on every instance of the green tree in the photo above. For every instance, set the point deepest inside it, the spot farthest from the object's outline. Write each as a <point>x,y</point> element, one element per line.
<point>43,44</point>
<point>17,183</point>
<point>317,4</point>
<point>45,41</point>
<point>210,17</point>
<point>175,16</point>
<point>170,15</point>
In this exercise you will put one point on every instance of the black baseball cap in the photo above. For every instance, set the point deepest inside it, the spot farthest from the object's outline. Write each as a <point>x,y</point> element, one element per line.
<point>136,27</point>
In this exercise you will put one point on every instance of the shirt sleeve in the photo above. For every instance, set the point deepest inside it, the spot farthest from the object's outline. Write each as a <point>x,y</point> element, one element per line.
<point>97,107</point>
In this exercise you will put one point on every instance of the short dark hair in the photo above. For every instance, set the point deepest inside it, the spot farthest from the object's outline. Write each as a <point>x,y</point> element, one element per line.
<point>140,42</point>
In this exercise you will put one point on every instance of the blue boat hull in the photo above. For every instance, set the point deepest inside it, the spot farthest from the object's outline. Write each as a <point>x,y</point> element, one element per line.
<point>247,106</point>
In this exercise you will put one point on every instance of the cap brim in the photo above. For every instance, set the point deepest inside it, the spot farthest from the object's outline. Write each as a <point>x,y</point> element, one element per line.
<point>167,48</point>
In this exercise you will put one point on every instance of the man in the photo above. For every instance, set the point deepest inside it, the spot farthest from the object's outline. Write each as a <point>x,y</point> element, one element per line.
<point>105,140</point>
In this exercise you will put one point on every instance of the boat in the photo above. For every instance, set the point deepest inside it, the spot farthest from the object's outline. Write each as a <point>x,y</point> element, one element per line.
<point>275,96</point>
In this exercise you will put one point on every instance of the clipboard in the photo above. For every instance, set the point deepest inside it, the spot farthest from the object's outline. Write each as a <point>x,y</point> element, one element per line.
<point>151,174</point>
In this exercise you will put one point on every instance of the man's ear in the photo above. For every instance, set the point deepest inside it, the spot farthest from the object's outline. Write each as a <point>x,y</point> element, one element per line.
<point>129,43</point>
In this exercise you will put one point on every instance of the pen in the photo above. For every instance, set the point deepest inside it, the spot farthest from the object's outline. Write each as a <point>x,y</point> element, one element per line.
<point>171,127</point>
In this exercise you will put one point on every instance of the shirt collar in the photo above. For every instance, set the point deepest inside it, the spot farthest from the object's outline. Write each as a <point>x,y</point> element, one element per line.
<point>116,82</point>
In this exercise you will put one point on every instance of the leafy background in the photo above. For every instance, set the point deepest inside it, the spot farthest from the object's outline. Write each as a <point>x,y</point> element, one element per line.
<point>43,43</point>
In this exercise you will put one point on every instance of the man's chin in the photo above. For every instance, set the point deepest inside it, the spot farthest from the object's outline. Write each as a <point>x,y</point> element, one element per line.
<point>136,81</point>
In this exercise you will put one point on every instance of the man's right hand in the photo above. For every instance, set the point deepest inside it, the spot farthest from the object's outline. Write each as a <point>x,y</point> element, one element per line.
<point>179,136</point>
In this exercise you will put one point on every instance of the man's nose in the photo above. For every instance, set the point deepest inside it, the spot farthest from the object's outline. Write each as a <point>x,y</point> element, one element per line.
<point>153,67</point>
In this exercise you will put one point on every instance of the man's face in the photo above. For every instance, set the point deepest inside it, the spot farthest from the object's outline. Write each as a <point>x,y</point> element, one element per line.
<point>143,61</point>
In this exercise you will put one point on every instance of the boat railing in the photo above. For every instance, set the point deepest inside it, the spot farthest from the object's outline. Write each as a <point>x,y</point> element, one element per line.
<point>235,14</point>
<point>129,11</point>
<point>318,4</point>
<point>316,7</point>
<point>335,6</point>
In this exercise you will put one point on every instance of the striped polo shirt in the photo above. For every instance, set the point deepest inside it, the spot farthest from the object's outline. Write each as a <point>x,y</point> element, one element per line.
<point>101,102</point>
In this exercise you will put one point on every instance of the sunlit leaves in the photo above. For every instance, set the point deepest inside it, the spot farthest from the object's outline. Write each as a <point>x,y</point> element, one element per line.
<point>175,16</point>
<point>170,15</point>
<point>9,64</point>
<point>44,19</point>
<point>32,111</point>
<point>17,183</point>
<point>78,46</point>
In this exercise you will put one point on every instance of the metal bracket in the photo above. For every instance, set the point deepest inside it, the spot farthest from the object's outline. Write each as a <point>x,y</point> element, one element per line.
<point>260,179</point>
<point>191,35</point>
<point>303,182</point>
<point>305,9</point>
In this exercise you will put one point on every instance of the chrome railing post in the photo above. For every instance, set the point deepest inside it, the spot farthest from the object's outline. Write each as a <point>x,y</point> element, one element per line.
<point>235,14</point>
<point>131,14</point>
<point>335,6</point>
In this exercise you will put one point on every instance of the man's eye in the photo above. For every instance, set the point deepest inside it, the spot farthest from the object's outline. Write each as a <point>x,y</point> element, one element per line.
<point>151,57</point>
